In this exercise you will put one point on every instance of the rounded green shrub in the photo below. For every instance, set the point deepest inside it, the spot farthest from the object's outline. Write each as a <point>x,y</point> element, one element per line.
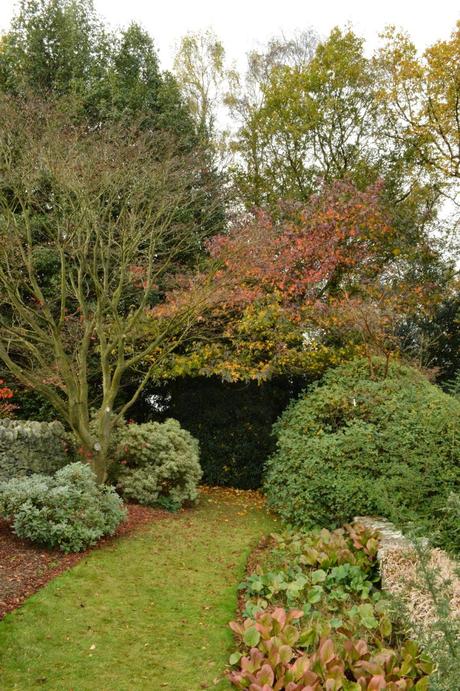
<point>157,464</point>
<point>355,444</point>
<point>68,510</point>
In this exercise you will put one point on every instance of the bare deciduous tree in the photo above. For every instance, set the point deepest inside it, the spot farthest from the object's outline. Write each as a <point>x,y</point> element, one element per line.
<point>91,226</point>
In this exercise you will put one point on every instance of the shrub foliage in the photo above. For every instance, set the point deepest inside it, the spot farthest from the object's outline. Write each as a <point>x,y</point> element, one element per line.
<point>353,444</point>
<point>69,511</point>
<point>157,464</point>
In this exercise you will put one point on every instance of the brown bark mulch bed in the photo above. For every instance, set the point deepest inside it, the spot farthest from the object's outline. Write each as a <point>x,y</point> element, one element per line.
<point>25,567</point>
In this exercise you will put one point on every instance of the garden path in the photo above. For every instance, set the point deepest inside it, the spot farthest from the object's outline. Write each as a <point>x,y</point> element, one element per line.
<point>145,612</point>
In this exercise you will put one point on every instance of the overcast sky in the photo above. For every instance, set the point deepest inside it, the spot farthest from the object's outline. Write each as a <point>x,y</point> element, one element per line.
<point>244,24</point>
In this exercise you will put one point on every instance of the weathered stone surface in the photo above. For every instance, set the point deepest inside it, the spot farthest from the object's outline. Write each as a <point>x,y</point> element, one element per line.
<point>28,446</point>
<point>390,537</point>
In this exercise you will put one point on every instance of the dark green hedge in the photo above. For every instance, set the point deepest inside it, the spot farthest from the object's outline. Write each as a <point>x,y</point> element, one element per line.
<point>232,422</point>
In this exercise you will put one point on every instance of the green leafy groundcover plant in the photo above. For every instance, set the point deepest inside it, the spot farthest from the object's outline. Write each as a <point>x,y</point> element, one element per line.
<point>332,630</point>
<point>355,444</point>
<point>68,510</point>
<point>157,464</point>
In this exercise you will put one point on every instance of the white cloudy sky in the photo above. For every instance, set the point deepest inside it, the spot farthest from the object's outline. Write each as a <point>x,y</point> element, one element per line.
<point>243,24</point>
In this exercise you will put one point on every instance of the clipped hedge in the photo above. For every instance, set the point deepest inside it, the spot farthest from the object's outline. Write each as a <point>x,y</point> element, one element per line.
<point>231,420</point>
<point>32,447</point>
<point>157,464</point>
<point>68,510</point>
<point>353,445</point>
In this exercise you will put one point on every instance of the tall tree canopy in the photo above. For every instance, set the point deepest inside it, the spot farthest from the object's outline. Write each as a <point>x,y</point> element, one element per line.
<point>296,294</point>
<point>422,96</point>
<point>92,223</point>
<point>54,46</point>
<point>60,48</point>
<point>106,190</point>
<point>314,113</point>
<point>199,68</point>
<point>316,118</point>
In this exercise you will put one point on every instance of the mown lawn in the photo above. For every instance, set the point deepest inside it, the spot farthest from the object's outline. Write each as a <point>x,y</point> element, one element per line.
<point>148,612</point>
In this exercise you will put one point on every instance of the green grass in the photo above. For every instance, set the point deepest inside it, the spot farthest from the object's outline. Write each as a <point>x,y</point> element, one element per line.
<point>148,612</point>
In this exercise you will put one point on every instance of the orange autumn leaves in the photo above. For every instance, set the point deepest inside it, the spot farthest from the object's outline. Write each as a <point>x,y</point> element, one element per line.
<point>6,406</point>
<point>338,230</point>
<point>280,294</point>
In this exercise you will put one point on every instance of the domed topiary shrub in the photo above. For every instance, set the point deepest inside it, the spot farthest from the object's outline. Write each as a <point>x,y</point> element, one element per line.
<point>354,445</point>
<point>157,464</point>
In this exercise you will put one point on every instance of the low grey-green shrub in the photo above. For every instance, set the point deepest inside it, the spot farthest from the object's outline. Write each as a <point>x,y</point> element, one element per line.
<point>355,445</point>
<point>157,464</point>
<point>32,447</point>
<point>68,510</point>
<point>141,486</point>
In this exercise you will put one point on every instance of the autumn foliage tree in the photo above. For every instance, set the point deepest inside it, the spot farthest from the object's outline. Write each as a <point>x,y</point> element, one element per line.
<point>286,289</point>
<point>421,96</point>
<point>312,110</point>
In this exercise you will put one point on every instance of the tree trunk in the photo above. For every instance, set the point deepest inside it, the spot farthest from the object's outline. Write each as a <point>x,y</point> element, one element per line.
<point>96,444</point>
<point>100,466</point>
<point>102,445</point>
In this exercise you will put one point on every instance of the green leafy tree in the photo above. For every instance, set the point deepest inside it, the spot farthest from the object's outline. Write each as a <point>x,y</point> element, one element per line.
<point>54,47</point>
<point>422,98</point>
<point>245,100</point>
<point>316,118</point>
<point>199,69</point>
<point>60,49</point>
<point>312,112</point>
<point>138,87</point>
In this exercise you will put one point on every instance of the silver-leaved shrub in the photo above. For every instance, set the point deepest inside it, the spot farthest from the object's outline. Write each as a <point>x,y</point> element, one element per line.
<point>157,464</point>
<point>68,510</point>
